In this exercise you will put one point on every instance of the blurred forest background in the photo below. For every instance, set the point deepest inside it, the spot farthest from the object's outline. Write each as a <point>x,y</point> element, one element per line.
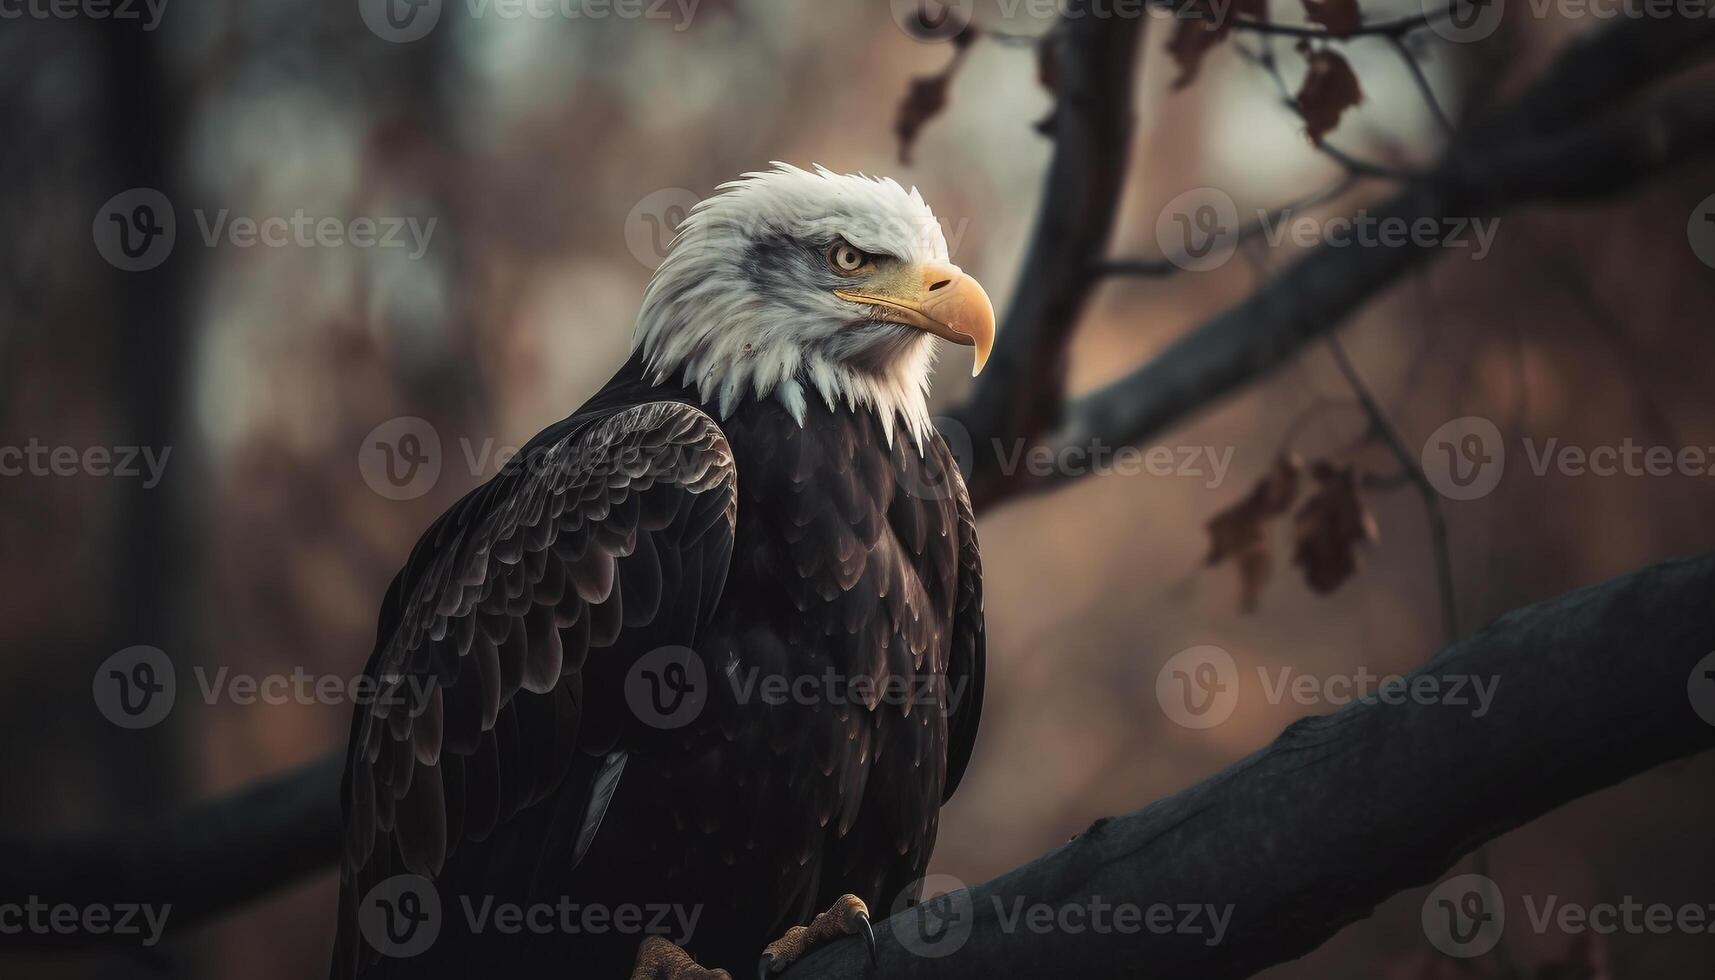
<point>542,147</point>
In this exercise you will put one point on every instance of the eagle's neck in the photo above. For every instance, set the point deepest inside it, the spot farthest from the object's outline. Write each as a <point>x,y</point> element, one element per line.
<point>727,354</point>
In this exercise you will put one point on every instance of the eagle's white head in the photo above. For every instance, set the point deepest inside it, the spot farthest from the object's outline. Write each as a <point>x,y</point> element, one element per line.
<point>792,284</point>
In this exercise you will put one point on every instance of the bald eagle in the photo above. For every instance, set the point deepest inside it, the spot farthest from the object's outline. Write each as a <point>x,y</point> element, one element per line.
<point>706,657</point>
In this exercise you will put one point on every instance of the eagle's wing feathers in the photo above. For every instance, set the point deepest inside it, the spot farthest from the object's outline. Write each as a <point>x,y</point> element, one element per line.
<point>965,660</point>
<point>605,538</point>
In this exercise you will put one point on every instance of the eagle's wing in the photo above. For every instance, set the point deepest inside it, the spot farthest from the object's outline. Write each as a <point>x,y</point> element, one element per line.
<point>965,660</point>
<point>604,539</point>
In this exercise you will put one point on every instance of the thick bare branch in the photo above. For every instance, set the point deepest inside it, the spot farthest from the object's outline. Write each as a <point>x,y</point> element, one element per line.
<point>1023,385</point>
<point>204,863</point>
<point>1344,810</point>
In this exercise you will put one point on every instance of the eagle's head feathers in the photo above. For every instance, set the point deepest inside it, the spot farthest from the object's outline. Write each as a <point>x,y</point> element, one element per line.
<point>797,284</point>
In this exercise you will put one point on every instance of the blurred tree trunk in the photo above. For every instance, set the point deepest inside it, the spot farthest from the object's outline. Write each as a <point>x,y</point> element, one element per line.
<point>158,551</point>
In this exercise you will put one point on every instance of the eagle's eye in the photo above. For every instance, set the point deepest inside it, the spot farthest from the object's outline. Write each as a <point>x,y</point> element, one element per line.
<point>847,259</point>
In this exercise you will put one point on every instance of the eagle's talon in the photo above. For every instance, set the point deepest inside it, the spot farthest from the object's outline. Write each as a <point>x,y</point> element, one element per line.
<point>848,916</point>
<point>660,959</point>
<point>868,932</point>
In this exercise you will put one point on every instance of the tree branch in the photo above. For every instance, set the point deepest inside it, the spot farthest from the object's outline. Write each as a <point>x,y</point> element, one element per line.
<point>205,862</point>
<point>1344,810</point>
<point>1311,297</point>
<point>1413,471</point>
<point>1020,391</point>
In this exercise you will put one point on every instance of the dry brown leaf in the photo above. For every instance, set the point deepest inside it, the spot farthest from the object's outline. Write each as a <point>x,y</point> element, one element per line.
<point>1330,88</point>
<point>1237,532</point>
<point>1329,527</point>
<point>1341,18</point>
<point>1199,26</point>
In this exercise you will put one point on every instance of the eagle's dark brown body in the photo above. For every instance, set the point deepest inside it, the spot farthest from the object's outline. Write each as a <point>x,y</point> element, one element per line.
<point>828,586</point>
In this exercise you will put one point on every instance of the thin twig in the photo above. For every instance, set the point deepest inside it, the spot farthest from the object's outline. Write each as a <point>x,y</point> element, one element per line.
<point>1408,462</point>
<point>1422,80</point>
<point>1265,59</point>
<point>1387,29</point>
<point>1161,268</point>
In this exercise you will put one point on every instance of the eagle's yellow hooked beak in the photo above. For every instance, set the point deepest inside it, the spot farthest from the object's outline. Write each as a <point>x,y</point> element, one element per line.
<point>935,297</point>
